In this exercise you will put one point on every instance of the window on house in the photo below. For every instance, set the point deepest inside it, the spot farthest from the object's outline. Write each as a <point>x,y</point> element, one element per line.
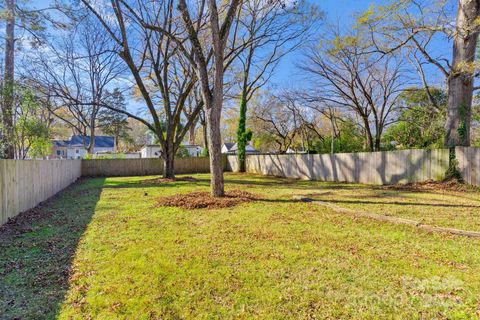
<point>59,152</point>
<point>77,151</point>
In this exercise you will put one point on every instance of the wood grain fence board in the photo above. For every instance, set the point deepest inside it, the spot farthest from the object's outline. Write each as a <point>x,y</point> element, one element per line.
<point>142,167</point>
<point>26,183</point>
<point>385,167</point>
<point>469,164</point>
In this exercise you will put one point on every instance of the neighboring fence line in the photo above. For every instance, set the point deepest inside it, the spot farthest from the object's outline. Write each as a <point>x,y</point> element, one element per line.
<point>142,167</point>
<point>386,167</point>
<point>469,164</point>
<point>24,184</point>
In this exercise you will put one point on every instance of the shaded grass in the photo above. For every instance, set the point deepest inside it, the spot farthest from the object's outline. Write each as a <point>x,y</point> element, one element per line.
<point>36,251</point>
<point>268,259</point>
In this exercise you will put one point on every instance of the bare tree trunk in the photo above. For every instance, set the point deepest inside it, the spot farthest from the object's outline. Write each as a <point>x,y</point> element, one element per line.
<point>8,85</point>
<point>169,156</point>
<point>460,80</point>
<point>368,135</point>
<point>205,136</point>
<point>377,143</point>
<point>91,145</point>
<point>191,132</point>
<point>215,149</point>
<point>332,123</point>
<point>169,165</point>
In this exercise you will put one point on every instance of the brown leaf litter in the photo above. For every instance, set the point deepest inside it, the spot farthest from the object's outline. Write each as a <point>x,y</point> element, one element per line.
<point>448,185</point>
<point>204,200</point>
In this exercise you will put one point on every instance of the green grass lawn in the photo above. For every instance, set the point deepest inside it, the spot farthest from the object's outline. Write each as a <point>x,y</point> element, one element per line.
<point>104,250</point>
<point>444,208</point>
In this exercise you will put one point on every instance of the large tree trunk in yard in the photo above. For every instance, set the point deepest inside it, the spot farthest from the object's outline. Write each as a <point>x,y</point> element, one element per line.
<point>168,156</point>
<point>368,135</point>
<point>8,85</point>
<point>91,144</point>
<point>460,80</point>
<point>169,166</point>
<point>215,150</point>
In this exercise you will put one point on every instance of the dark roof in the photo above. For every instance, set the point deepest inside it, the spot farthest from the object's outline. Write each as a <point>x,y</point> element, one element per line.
<point>59,143</point>
<point>100,141</point>
<point>248,148</point>
<point>229,145</point>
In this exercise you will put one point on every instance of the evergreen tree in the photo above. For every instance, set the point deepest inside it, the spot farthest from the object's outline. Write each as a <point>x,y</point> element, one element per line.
<point>111,122</point>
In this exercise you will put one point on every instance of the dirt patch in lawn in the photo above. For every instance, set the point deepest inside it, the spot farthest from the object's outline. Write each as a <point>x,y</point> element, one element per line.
<point>203,200</point>
<point>449,185</point>
<point>169,180</point>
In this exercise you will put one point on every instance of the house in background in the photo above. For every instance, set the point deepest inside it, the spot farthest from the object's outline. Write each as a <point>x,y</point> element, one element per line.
<point>194,150</point>
<point>114,155</point>
<point>155,151</point>
<point>295,151</point>
<point>151,151</point>
<point>59,149</point>
<point>76,147</point>
<point>227,146</point>
<point>231,148</point>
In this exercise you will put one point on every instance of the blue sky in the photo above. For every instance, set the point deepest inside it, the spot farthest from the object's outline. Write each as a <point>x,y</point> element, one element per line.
<point>334,10</point>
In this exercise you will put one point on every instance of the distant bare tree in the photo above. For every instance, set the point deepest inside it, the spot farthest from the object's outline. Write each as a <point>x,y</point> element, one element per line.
<point>151,43</point>
<point>75,74</point>
<point>276,28</point>
<point>280,119</point>
<point>367,84</point>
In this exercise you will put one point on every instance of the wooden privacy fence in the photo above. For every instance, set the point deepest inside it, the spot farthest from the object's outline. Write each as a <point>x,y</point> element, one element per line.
<point>24,184</point>
<point>469,164</point>
<point>141,167</point>
<point>387,167</point>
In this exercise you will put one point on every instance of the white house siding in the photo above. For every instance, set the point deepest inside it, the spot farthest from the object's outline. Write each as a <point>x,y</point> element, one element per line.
<point>80,152</point>
<point>151,151</point>
<point>76,152</point>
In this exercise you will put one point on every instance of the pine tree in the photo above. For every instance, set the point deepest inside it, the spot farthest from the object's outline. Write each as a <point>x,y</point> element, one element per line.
<point>112,122</point>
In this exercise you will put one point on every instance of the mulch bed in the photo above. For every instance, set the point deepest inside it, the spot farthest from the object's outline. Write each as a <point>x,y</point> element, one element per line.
<point>448,185</point>
<point>168,180</point>
<point>204,200</point>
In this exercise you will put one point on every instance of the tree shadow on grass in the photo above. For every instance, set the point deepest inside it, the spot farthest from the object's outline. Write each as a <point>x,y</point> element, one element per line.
<point>37,249</point>
<point>154,183</point>
<point>399,203</point>
<point>280,183</point>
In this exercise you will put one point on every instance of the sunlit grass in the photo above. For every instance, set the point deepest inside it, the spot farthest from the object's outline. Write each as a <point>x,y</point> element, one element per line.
<point>268,259</point>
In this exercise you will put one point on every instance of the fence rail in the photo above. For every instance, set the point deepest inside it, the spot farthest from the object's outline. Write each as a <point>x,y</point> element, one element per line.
<point>387,167</point>
<point>24,184</point>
